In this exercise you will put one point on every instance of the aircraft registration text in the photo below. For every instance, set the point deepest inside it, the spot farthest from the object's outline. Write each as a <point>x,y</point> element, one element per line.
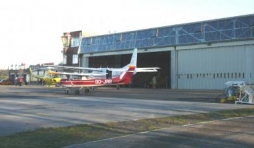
<point>106,81</point>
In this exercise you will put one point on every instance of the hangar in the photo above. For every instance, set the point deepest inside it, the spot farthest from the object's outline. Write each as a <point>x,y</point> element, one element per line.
<point>198,55</point>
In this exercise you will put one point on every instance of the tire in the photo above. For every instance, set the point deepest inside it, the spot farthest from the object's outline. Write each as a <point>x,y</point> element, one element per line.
<point>76,92</point>
<point>87,91</point>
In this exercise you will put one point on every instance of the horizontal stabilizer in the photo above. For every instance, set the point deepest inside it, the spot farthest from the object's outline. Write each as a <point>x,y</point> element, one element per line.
<point>147,69</point>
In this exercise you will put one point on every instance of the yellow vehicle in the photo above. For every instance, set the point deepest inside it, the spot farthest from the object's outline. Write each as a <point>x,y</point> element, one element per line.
<point>48,78</point>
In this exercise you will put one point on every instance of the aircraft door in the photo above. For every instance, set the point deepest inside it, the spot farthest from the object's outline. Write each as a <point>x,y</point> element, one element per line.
<point>109,74</point>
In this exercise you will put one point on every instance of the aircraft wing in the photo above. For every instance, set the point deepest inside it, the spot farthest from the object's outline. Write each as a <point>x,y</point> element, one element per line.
<point>44,68</point>
<point>116,69</point>
<point>78,74</point>
<point>78,68</point>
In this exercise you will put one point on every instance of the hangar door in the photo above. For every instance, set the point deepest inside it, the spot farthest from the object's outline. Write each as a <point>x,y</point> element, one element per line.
<point>210,68</point>
<point>149,59</point>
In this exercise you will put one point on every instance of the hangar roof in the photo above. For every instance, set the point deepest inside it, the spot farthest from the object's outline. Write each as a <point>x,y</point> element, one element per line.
<point>204,32</point>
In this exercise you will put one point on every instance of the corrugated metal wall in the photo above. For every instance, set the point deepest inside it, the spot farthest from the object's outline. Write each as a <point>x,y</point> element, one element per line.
<point>211,67</point>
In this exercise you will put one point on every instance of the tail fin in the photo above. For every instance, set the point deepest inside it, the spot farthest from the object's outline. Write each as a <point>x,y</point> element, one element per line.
<point>130,69</point>
<point>126,76</point>
<point>134,58</point>
<point>127,71</point>
<point>133,62</point>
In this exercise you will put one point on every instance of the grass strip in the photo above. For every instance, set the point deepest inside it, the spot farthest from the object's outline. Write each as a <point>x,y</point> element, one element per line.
<point>64,136</point>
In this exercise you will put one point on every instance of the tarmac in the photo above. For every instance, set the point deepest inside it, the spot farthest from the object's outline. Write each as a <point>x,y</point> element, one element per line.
<point>26,108</point>
<point>229,133</point>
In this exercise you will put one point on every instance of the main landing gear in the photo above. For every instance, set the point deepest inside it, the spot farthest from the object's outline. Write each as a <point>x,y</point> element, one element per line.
<point>77,91</point>
<point>87,91</point>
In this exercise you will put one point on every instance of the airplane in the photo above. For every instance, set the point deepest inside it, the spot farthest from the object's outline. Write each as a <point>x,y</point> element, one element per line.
<point>111,72</point>
<point>101,76</point>
<point>48,78</point>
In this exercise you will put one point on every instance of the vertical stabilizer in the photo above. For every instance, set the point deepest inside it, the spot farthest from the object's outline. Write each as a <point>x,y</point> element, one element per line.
<point>126,77</point>
<point>134,58</point>
<point>129,69</point>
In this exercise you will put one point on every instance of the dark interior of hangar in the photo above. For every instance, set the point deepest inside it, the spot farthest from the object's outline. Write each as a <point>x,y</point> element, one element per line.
<point>142,79</point>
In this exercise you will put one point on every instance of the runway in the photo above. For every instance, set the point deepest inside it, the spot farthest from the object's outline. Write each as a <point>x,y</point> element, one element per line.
<point>28,108</point>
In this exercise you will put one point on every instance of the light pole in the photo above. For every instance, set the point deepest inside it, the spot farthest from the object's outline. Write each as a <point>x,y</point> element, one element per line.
<point>66,40</point>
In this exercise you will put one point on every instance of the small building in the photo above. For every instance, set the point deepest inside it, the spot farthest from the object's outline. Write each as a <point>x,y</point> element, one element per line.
<point>19,73</point>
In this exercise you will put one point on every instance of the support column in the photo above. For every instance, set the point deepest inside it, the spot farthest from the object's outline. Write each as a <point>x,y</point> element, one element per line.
<point>174,69</point>
<point>85,61</point>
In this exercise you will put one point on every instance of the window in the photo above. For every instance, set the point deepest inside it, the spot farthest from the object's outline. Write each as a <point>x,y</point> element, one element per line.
<point>75,59</point>
<point>75,42</point>
<point>65,59</point>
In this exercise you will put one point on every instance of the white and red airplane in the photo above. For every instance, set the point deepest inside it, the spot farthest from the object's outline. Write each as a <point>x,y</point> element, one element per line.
<point>99,76</point>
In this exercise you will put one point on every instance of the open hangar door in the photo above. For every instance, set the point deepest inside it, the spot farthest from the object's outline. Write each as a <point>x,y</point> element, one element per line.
<point>154,59</point>
<point>104,61</point>
<point>149,59</point>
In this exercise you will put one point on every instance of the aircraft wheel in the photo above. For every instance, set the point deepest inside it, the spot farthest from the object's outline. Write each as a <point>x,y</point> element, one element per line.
<point>87,91</point>
<point>76,92</point>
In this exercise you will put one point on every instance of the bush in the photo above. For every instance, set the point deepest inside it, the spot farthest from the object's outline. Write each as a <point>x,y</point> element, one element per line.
<point>4,74</point>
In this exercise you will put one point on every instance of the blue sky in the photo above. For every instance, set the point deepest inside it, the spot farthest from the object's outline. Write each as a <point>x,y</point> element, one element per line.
<point>31,29</point>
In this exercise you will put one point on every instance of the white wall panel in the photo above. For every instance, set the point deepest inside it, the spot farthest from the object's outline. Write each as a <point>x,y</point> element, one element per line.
<point>250,62</point>
<point>210,67</point>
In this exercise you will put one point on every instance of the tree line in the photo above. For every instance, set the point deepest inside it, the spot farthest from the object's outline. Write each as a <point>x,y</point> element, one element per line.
<point>4,74</point>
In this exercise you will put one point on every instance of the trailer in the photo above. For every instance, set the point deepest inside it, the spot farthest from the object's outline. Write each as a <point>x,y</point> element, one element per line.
<point>239,92</point>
